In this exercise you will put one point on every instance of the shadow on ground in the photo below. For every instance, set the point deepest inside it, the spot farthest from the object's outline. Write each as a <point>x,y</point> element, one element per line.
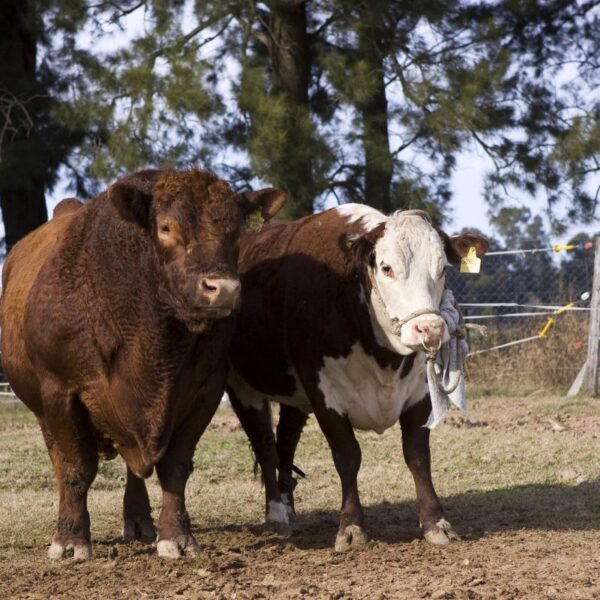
<point>474,515</point>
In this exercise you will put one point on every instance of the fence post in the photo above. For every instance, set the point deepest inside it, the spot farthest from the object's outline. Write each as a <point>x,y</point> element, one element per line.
<point>593,353</point>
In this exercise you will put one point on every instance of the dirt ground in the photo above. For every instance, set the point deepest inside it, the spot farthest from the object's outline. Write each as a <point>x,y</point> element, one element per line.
<point>519,478</point>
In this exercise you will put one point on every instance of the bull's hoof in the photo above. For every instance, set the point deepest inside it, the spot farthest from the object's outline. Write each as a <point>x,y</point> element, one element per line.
<point>82,550</point>
<point>277,519</point>
<point>183,545</point>
<point>282,529</point>
<point>351,538</point>
<point>441,534</point>
<point>141,529</point>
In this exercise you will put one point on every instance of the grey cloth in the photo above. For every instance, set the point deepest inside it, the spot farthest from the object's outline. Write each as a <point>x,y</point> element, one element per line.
<point>445,374</point>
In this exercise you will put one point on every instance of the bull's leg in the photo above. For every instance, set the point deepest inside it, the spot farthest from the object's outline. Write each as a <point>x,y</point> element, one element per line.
<point>346,456</point>
<point>72,447</point>
<point>415,445</point>
<point>257,424</point>
<point>137,520</point>
<point>173,470</point>
<point>289,429</point>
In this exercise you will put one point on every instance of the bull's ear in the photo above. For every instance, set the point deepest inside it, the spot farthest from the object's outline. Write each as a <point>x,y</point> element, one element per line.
<point>262,205</point>
<point>359,247</point>
<point>457,246</point>
<point>131,201</point>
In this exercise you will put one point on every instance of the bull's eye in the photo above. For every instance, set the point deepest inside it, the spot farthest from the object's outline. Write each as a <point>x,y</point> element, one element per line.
<point>165,228</point>
<point>387,270</point>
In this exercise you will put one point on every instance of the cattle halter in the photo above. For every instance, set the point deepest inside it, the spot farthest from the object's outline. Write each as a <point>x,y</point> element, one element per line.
<point>396,323</point>
<point>396,327</point>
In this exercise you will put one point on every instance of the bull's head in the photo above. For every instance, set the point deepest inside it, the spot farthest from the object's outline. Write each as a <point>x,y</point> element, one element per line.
<point>405,258</point>
<point>193,220</point>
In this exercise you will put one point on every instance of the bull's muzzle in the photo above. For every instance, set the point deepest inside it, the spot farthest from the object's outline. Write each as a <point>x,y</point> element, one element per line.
<point>427,332</point>
<point>217,294</point>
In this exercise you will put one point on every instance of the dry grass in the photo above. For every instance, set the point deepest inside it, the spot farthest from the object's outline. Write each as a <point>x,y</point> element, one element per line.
<point>551,363</point>
<point>518,476</point>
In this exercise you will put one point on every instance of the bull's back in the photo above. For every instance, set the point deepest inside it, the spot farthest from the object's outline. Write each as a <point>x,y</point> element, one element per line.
<point>21,270</point>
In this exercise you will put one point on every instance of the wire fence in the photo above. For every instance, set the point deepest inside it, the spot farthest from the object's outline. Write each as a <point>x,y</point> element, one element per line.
<point>534,304</point>
<point>7,396</point>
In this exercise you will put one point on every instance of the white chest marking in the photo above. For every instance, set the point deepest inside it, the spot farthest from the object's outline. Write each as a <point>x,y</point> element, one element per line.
<point>250,396</point>
<point>373,398</point>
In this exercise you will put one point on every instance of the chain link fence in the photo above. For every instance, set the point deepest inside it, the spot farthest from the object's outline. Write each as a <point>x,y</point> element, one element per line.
<point>518,297</point>
<point>514,296</point>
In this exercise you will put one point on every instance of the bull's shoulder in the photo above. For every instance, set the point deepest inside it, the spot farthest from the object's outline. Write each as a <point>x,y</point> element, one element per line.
<point>320,235</point>
<point>267,244</point>
<point>325,234</point>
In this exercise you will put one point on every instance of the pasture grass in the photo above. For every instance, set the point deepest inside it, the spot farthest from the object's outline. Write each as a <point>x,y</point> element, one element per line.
<point>510,465</point>
<point>501,443</point>
<point>547,365</point>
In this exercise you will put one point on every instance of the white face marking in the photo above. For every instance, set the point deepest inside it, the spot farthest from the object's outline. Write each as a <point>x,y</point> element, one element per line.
<point>373,398</point>
<point>409,275</point>
<point>370,218</point>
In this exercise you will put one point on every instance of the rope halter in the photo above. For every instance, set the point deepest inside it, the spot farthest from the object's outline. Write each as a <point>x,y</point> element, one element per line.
<point>396,324</point>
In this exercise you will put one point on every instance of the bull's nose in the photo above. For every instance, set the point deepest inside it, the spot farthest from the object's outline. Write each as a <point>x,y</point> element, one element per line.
<point>429,332</point>
<point>210,286</point>
<point>219,292</point>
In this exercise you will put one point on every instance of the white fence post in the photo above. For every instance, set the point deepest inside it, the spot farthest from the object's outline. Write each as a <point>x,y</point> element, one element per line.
<point>593,353</point>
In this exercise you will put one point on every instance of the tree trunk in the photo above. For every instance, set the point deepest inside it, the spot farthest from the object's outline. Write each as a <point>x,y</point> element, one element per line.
<point>22,211</point>
<point>291,62</point>
<point>22,198</point>
<point>379,164</point>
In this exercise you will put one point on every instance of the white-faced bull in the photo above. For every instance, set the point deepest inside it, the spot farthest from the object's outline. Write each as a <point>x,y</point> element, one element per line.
<point>338,312</point>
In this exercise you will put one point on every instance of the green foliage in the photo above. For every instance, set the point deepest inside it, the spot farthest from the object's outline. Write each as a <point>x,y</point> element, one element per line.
<point>368,102</point>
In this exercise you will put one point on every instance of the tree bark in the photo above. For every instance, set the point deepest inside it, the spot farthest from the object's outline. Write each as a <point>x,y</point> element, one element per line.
<point>22,211</point>
<point>22,199</point>
<point>379,166</point>
<point>291,62</point>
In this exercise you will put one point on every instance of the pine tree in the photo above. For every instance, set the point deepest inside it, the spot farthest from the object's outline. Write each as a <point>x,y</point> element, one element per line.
<point>33,141</point>
<point>338,99</point>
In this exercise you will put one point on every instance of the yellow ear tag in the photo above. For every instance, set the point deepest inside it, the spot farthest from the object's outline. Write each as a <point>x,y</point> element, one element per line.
<point>470,263</point>
<point>255,220</point>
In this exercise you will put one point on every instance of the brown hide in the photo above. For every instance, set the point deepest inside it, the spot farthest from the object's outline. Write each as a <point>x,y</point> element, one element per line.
<point>85,308</point>
<point>114,333</point>
<point>66,206</point>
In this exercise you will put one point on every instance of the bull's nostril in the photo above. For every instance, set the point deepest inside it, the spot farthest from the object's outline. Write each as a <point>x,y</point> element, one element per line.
<point>208,286</point>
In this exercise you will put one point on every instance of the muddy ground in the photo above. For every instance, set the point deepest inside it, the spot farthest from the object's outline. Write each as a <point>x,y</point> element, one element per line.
<point>519,478</point>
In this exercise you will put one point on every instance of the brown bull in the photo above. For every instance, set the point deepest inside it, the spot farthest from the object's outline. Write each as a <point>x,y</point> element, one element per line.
<point>114,333</point>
